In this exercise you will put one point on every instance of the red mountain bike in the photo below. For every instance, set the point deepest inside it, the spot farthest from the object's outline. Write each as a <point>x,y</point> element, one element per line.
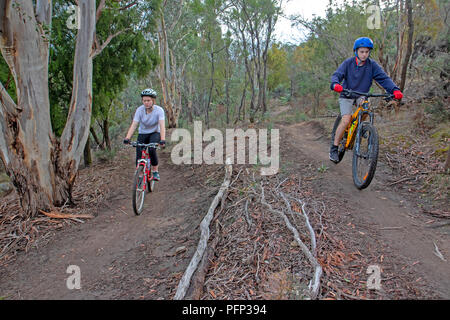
<point>143,179</point>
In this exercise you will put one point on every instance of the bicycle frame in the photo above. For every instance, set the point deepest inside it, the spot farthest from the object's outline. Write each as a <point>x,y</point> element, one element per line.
<point>357,117</point>
<point>143,162</point>
<point>360,115</point>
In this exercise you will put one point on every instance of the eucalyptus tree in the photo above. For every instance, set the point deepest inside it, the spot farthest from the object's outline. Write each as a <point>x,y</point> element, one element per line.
<point>212,44</point>
<point>43,167</point>
<point>176,34</point>
<point>253,21</point>
<point>129,53</point>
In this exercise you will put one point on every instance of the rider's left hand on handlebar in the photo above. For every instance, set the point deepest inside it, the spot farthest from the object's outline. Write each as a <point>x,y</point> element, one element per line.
<point>126,141</point>
<point>162,143</point>
<point>398,94</point>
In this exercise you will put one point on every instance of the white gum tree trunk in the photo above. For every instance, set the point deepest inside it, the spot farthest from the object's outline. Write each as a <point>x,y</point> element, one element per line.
<point>42,169</point>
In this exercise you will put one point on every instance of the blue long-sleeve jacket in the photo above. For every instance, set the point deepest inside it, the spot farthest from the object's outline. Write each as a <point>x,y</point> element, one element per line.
<point>359,78</point>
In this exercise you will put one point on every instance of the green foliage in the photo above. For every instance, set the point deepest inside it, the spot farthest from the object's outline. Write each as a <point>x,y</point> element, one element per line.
<point>277,68</point>
<point>62,52</point>
<point>330,41</point>
<point>7,79</point>
<point>439,110</point>
<point>284,99</point>
<point>323,168</point>
<point>313,75</point>
<point>297,117</point>
<point>128,53</point>
<point>331,103</point>
<point>105,155</point>
<point>206,32</point>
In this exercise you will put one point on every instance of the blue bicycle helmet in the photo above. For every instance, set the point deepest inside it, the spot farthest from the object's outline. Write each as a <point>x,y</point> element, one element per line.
<point>362,42</point>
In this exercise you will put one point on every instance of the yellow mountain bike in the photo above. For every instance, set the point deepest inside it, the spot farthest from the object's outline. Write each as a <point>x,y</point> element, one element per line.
<point>361,136</point>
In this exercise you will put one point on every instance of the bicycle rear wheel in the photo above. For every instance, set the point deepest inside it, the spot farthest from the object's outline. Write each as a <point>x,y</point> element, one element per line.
<point>341,146</point>
<point>138,193</point>
<point>365,156</point>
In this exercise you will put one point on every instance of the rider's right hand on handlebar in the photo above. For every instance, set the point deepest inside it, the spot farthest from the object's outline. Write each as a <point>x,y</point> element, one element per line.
<point>126,141</point>
<point>338,88</point>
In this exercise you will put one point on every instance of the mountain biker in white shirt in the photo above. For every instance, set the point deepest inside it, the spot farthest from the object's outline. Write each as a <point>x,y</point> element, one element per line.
<point>152,129</point>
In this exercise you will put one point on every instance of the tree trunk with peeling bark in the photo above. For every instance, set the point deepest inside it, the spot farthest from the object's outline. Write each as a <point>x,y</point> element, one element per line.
<point>189,102</point>
<point>42,169</point>
<point>167,73</point>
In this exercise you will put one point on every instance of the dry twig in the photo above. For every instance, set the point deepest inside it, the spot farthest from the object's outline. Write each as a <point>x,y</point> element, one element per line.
<point>315,282</point>
<point>58,215</point>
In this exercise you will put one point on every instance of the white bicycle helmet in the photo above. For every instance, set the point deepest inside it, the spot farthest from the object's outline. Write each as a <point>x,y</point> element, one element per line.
<point>149,93</point>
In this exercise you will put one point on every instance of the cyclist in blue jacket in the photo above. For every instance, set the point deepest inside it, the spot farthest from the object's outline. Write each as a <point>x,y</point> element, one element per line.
<point>357,73</point>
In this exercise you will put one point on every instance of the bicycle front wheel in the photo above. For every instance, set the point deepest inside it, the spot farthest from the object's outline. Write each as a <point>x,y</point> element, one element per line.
<point>138,192</point>
<point>365,156</point>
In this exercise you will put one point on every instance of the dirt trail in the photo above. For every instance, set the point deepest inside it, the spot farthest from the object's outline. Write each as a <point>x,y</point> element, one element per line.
<point>380,208</point>
<point>120,255</point>
<point>123,256</point>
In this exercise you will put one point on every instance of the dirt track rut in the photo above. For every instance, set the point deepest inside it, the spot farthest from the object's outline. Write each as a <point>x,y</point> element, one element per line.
<point>123,256</point>
<point>394,219</point>
<point>120,255</point>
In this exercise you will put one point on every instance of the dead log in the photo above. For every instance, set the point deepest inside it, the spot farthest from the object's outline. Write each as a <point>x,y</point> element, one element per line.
<point>195,290</point>
<point>204,236</point>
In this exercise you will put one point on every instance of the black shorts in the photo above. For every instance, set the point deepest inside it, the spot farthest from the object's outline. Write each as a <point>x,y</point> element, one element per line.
<point>153,137</point>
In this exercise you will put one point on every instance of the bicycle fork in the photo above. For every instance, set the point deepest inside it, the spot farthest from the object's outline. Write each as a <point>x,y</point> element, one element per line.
<point>143,163</point>
<point>358,134</point>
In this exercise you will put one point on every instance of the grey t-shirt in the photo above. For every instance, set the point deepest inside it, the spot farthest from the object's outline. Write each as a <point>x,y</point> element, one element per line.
<point>149,123</point>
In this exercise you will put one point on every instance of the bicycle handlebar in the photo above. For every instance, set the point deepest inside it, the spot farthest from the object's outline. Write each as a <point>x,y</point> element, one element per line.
<point>387,96</point>
<point>150,145</point>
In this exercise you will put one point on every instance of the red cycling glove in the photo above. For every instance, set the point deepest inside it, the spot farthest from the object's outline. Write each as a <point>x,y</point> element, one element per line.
<point>338,88</point>
<point>398,94</point>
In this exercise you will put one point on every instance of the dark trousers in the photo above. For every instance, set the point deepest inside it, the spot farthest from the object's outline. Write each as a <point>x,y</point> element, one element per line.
<point>148,138</point>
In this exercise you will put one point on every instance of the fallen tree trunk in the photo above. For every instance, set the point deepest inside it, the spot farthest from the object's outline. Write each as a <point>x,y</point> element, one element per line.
<point>195,290</point>
<point>202,244</point>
